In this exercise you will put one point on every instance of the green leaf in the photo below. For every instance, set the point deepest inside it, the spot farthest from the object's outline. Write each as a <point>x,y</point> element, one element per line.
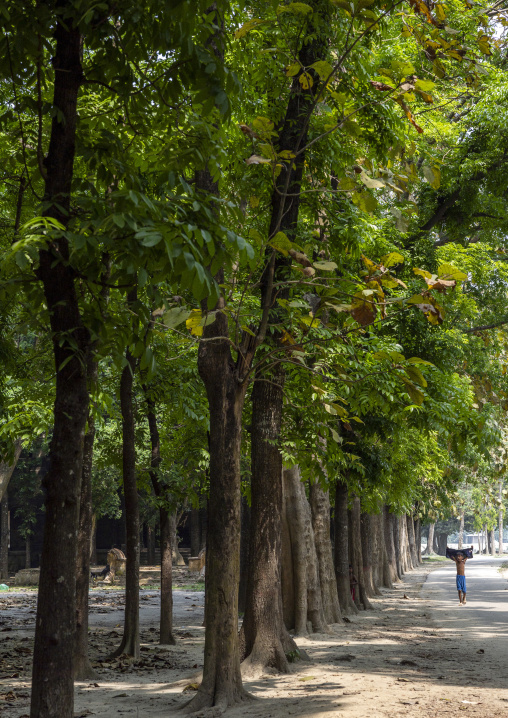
<point>323,69</point>
<point>432,175</point>
<point>448,271</point>
<point>390,260</point>
<point>371,183</point>
<point>247,27</point>
<point>175,316</point>
<point>417,360</point>
<point>415,375</point>
<point>416,396</point>
<point>364,201</point>
<point>281,243</point>
<point>325,266</point>
<point>295,8</point>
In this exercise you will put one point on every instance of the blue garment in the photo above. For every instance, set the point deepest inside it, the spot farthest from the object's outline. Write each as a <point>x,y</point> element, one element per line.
<point>461,583</point>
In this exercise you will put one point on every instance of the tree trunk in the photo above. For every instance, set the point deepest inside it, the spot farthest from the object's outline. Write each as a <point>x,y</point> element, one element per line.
<point>355,553</point>
<point>418,539</point>
<point>166,617</point>
<point>367,543</point>
<point>390,546</point>
<point>461,530</point>
<point>225,385</point>
<point>166,636</point>
<point>52,676</point>
<point>320,507</point>
<point>150,545</point>
<point>300,561</point>
<point>178,559</point>
<point>492,542</point>
<point>244,555</point>
<point>4,537</point>
<point>264,639</point>
<point>412,541</point>
<point>442,540</point>
<point>429,549</point>
<point>93,540</point>
<point>500,518</point>
<point>7,468</point>
<point>130,640</point>
<point>195,537</point>
<point>377,553</point>
<point>82,666</point>
<point>341,550</point>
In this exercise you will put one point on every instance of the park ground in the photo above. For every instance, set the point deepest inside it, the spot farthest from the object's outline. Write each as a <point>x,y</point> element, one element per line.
<point>418,653</point>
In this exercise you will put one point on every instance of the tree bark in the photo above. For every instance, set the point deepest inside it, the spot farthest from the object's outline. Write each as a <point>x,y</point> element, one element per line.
<point>264,639</point>
<point>461,530</point>
<point>418,539</point>
<point>93,539</point>
<point>320,507</point>
<point>492,542</point>
<point>367,544</point>
<point>178,559</point>
<point>221,686</point>
<point>130,640</point>
<point>150,545</point>
<point>203,524</point>
<point>412,541</point>
<point>244,555</point>
<point>4,538</point>
<point>305,589</point>
<point>341,550</point>
<point>390,546</point>
<point>7,468</point>
<point>355,554</point>
<point>82,667</point>
<point>52,676</point>
<point>442,539</point>
<point>166,636</point>
<point>429,549</point>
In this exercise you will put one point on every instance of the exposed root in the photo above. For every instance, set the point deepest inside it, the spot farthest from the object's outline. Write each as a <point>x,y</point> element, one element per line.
<point>204,705</point>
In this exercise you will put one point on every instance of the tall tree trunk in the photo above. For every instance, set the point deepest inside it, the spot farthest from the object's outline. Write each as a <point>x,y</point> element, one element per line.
<point>178,559</point>
<point>244,555</point>
<point>442,539</point>
<point>7,468</point>
<point>301,562</point>
<point>396,542</point>
<point>4,537</point>
<point>390,545</point>
<point>492,542</point>
<point>320,507</point>
<point>429,549</point>
<point>82,667</point>
<point>356,557</point>
<point>166,636</point>
<point>341,549</point>
<point>130,640</point>
<point>500,518</point>
<point>195,537</point>
<point>166,618</point>
<point>264,639</point>
<point>418,539</point>
<point>52,676</point>
<point>367,542</point>
<point>412,540</point>
<point>461,530</point>
<point>93,539</point>
<point>225,385</point>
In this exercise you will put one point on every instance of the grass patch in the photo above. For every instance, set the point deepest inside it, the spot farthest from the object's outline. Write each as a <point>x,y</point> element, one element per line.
<point>503,567</point>
<point>435,559</point>
<point>190,587</point>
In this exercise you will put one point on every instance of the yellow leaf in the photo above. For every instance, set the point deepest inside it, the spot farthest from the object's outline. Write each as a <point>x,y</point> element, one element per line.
<point>306,80</point>
<point>247,27</point>
<point>254,202</point>
<point>293,70</point>
<point>440,13</point>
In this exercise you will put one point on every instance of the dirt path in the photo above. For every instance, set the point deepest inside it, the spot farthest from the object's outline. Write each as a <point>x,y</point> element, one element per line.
<point>414,656</point>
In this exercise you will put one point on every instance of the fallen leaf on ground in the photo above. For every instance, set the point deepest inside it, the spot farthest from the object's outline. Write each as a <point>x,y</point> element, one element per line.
<point>191,687</point>
<point>307,678</point>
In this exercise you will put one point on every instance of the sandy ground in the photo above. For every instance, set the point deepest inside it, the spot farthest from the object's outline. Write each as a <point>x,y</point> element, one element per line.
<point>418,653</point>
